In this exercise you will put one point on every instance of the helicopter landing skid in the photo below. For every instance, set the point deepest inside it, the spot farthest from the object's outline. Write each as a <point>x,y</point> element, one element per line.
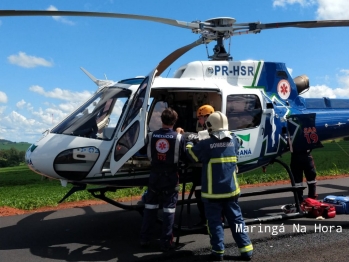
<point>100,194</point>
<point>75,188</point>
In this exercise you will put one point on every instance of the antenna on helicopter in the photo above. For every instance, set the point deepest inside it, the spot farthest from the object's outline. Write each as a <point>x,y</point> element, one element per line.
<point>100,83</point>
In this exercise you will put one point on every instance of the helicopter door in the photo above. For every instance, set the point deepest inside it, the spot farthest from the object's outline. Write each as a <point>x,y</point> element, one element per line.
<point>133,132</point>
<point>244,113</point>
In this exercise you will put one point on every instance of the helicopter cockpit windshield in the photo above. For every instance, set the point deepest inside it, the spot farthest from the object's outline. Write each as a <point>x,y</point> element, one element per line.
<point>98,117</point>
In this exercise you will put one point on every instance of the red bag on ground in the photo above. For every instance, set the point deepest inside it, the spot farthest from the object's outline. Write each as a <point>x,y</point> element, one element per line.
<point>315,208</point>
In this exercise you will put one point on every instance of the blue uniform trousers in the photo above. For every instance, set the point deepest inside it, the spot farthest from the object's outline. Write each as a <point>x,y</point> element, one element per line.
<point>232,211</point>
<point>161,189</point>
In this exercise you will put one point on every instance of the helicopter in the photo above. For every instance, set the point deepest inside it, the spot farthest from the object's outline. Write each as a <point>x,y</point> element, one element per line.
<point>100,142</point>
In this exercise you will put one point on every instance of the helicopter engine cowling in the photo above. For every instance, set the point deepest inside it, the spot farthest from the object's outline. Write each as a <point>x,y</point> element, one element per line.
<point>302,83</point>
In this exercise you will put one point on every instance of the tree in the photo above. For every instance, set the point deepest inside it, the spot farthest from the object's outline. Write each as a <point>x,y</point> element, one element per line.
<point>11,157</point>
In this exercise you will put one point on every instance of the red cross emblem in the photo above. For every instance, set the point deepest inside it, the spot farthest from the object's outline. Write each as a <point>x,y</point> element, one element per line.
<point>284,89</point>
<point>162,146</point>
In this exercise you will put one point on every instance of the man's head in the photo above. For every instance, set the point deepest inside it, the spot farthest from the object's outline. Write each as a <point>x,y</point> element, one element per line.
<point>169,117</point>
<point>203,112</point>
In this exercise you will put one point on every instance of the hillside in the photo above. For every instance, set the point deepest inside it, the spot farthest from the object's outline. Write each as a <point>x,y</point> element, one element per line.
<point>20,146</point>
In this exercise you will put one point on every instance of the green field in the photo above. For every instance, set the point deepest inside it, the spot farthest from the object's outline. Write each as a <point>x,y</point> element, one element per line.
<point>331,160</point>
<point>20,146</point>
<point>24,189</point>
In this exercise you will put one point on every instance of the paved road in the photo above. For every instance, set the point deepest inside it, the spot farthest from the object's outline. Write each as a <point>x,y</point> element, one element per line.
<point>106,233</point>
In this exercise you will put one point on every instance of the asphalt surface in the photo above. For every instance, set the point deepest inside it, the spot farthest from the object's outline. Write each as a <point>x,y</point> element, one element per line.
<point>106,233</point>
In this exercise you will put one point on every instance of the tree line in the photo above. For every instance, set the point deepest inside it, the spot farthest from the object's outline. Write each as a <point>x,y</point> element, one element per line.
<point>11,157</point>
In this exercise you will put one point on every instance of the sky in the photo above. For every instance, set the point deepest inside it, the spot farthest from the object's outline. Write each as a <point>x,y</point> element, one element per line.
<point>40,57</point>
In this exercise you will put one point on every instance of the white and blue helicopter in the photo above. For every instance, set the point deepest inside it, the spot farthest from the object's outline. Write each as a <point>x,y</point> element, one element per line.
<point>99,142</point>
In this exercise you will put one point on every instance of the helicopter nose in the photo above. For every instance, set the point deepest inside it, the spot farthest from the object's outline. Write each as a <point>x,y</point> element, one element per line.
<point>28,155</point>
<point>39,161</point>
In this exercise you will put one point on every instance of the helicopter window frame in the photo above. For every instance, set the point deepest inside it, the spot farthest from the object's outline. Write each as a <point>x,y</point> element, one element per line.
<point>136,104</point>
<point>85,124</point>
<point>243,111</point>
<point>127,141</point>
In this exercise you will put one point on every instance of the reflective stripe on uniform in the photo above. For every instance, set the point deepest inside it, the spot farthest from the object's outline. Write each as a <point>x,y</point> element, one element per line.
<point>245,249</point>
<point>191,153</point>
<point>298,184</point>
<point>149,146</point>
<point>169,210</point>
<point>210,194</point>
<point>218,252</point>
<point>311,182</point>
<point>226,195</point>
<point>176,152</point>
<point>149,206</point>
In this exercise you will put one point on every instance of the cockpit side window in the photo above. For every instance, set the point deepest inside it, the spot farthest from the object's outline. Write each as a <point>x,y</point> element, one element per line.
<point>97,118</point>
<point>243,111</point>
<point>137,103</point>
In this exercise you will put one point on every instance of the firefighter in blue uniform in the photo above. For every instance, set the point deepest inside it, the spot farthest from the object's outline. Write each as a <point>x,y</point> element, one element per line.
<point>220,189</point>
<point>165,148</point>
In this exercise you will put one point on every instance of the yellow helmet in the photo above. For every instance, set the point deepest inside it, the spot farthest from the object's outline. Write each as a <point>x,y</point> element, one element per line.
<point>204,110</point>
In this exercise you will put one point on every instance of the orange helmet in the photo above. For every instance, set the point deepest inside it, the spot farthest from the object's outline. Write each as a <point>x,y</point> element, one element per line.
<point>204,110</point>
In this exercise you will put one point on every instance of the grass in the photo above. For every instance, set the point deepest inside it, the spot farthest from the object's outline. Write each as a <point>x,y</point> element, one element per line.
<point>331,160</point>
<point>21,188</point>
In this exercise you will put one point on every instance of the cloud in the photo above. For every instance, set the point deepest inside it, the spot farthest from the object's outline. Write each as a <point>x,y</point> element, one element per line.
<point>24,60</point>
<point>35,120</point>
<point>326,9</point>
<point>59,18</point>
<point>344,79</point>
<point>3,97</point>
<point>283,3</point>
<point>2,109</point>
<point>14,124</point>
<point>55,112</point>
<point>319,91</point>
<point>325,91</point>
<point>20,104</point>
<point>333,10</point>
<point>62,94</point>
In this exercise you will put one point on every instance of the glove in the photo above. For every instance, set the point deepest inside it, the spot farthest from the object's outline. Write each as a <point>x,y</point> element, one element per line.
<point>193,138</point>
<point>189,144</point>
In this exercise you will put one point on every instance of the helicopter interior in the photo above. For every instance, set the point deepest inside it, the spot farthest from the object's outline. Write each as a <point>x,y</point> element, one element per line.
<point>185,103</point>
<point>243,110</point>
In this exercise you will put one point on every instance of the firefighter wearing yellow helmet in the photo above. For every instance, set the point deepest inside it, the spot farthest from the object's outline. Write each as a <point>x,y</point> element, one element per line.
<point>202,114</point>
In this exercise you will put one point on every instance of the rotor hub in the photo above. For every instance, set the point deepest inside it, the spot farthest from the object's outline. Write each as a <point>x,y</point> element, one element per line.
<point>221,21</point>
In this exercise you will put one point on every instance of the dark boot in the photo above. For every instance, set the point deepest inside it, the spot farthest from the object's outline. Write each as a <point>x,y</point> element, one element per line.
<point>312,191</point>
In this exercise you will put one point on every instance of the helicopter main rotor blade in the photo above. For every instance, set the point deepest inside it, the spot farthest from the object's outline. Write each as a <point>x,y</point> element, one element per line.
<point>168,60</point>
<point>302,24</point>
<point>167,21</point>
